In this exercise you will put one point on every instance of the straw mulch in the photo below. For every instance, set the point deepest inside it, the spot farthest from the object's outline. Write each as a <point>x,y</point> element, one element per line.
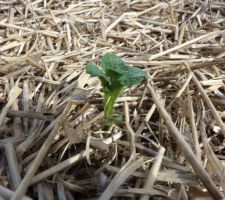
<point>53,142</point>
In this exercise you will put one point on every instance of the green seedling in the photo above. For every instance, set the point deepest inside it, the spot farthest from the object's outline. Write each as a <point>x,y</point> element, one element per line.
<point>115,77</point>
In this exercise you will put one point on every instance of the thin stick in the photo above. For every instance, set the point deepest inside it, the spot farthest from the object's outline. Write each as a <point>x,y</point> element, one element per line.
<point>185,148</point>
<point>131,131</point>
<point>31,115</point>
<point>153,172</point>
<point>194,130</point>
<point>215,33</point>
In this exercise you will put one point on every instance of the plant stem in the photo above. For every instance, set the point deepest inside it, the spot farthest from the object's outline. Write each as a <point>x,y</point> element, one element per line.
<point>110,99</point>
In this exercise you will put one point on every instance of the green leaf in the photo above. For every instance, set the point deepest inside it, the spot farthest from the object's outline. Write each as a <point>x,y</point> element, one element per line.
<point>109,122</point>
<point>115,76</point>
<point>122,70</point>
<point>115,119</point>
<point>133,76</point>
<point>111,61</point>
<point>118,118</point>
<point>93,70</point>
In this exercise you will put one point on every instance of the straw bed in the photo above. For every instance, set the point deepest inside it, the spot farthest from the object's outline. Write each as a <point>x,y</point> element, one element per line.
<point>53,143</point>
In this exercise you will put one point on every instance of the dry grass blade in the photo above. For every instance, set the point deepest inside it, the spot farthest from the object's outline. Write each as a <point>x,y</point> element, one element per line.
<point>208,102</point>
<point>14,94</point>
<point>164,175</point>
<point>45,47</point>
<point>207,35</point>
<point>132,134</point>
<point>203,175</point>
<point>70,161</point>
<point>13,164</point>
<point>7,194</point>
<point>119,179</point>
<point>153,172</point>
<point>184,86</point>
<point>31,115</point>
<point>20,191</point>
<point>214,165</point>
<point>194,130</point>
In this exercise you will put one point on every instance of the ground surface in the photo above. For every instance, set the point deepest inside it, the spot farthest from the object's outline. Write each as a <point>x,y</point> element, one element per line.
<point>54,145</point>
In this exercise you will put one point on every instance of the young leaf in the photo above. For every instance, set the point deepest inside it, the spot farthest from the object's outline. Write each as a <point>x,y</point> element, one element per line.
<point>111,61</point>
<point>133,76</point>
<point>93,70</point>
<point>115,76</point>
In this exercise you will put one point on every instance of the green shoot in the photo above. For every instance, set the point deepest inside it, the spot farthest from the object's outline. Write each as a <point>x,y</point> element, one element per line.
<point>115,76</point>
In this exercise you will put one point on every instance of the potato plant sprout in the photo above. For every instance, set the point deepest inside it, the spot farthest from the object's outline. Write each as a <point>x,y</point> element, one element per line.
<point>115,77</point>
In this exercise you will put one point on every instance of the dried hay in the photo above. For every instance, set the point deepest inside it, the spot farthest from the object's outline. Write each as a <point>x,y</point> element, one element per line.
<point>52,141</point>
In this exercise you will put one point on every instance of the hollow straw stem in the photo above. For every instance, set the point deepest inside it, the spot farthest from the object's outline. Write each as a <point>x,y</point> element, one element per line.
<point>186,150</point>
